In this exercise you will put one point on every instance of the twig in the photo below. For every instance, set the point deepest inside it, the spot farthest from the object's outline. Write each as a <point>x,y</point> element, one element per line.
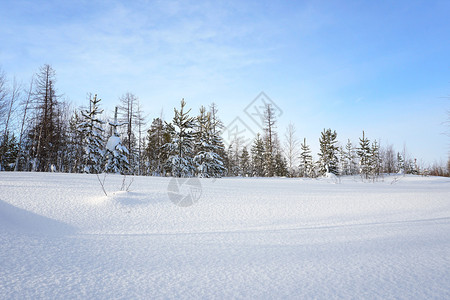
<point>123,183</point>
<point>102,184</point>
<point>131,181</point>
<point>396,179</point>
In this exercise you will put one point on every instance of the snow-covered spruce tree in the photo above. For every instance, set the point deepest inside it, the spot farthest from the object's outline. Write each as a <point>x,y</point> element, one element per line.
<point>207,160</point>
<point>364,157</point>
<point>226,162</point>
<point>245,163</point>
<point>342,166</point>
<point>157,136</point>
<point>258,156</point>
<point>351,159</point>
<point>375,160</point>
<point>62,135</point>
<point>200,142</point>
<point>75,149</point>
<point>348,164</point>
<point>306,167</point>
<point>229,161</point>
<point>217,141</point>
<point>328,160</point>
<point>92,131</point>
<point>280,169</point>
<point>115,153</point>
<point>181,148</point>
<point>234,153</point>
<point>9,148</point>
<point>400,163</point>
<point>269,159</point>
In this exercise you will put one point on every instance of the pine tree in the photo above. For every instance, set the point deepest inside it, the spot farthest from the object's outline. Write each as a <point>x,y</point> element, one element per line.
<point>347,160</point>
<point>216,136</point>
<point>328,160</point>
<point>181,147</point>
<point>230,162</point>
<point>364,156</point>
<point>207,160</point>
<point>375,162</point>
<point>258,156</point>
<point>9,149</point>
<point>115,153</point>
<point>281,169</point>
<point>306,167</point>
<point>342,166</point>
<point>157,136</point>
<point>234,153</point>
<point>350,157</point>
<point>245,163</point>
<point>92,131</point>
<point>75,149</point>
<point>217,147</point>
<point>400,163</point>
<point>64,112</point>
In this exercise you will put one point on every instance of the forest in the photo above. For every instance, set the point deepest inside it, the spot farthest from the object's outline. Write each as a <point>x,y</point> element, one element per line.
<point>42,132</point>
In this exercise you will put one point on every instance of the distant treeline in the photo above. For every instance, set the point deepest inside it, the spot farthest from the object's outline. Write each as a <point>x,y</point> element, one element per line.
<point>41,132</point>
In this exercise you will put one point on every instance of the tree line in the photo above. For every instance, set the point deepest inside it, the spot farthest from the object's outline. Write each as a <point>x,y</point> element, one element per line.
<point>42,132</point>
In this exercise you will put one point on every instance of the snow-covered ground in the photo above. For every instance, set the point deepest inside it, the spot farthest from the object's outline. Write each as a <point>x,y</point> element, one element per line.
<point>62,238</point>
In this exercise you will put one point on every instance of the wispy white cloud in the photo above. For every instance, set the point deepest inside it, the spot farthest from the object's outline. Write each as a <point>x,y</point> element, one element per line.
<point>153,38</point>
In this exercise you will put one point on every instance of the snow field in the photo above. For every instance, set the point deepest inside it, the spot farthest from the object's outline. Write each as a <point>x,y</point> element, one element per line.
<point>61,237</point>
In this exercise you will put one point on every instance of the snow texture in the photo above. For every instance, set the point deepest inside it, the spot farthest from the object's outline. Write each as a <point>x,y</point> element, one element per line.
<point>254,238</point>
<point>112,143</point>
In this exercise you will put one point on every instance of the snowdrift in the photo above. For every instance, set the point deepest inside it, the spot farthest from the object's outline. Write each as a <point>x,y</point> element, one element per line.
<point>16,219</point>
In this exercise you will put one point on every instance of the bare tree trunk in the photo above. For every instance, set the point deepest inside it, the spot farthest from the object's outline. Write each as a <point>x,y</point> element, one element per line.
<point>140,121</point>
<point>128,115</point>
<point>269,120</point>
<point>25,110</point>
<point>44,120</point>
<point>15,93</point>
<point>3,94</point>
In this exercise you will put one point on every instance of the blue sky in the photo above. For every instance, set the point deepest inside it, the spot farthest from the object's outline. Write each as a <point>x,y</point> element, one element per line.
<point>381,66</point>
